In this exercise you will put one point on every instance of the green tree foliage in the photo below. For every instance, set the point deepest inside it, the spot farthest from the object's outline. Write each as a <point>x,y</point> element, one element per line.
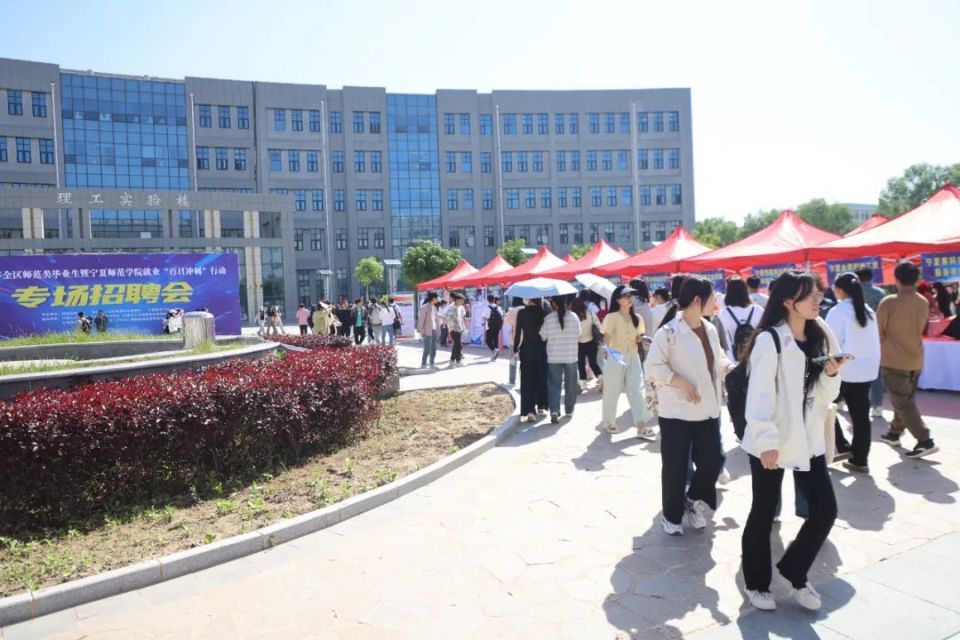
<point>915,186</point>
<point>368,271</point>
<point>830,217</point>
<point>512,251</point>
<point>580,250</point>
<point>754,222</point>
<point>716,232</point>
<point>426,261</point>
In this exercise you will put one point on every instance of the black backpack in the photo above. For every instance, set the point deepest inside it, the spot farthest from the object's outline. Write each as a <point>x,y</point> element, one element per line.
<point>742,335</point>
<point>736,384</point>
<point>495,323</point>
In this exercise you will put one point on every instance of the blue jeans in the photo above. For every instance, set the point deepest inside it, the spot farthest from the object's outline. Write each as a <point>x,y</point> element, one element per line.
<point>387,332</point>
<point>429,350</point>
<point>566,374</point>
<point>876,392</point>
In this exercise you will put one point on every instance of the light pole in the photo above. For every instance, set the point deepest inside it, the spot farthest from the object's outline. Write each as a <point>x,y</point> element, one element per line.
<point>392,266</point>
<point>326,274</point>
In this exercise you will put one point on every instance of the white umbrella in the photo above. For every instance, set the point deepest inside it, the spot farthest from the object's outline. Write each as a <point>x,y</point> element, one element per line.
<point>539,288</point>
<point>596,284</point>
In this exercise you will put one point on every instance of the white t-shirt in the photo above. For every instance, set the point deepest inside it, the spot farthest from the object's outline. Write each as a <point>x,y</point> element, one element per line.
<point>730,325</point>
<point>759,299</point>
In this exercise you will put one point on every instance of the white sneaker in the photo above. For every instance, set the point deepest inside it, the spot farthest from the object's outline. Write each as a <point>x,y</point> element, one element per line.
<point>611,428</point>
<point>531,417</point>
<point>669,528</point>
<point>646,433</point>
<point>696,514</point>
<point>724,477</point>
<point>876,412</point>
<point>808,598</point>
<point>762,600</point>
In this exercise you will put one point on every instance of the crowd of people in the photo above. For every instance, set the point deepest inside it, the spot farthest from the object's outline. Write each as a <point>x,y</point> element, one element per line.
<point>374,320</point>
<point>778,361</point>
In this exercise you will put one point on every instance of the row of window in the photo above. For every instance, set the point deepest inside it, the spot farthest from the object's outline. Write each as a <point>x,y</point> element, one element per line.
<point>300,198</point>
<point>568,233</point>
<point>225,118</point>
<point>569,123</point>
<point>221,158</point>
<point>597,160</point>
<point>317,239</point>
<point>15,103</point>
<point>24,150</point>
<point>610,196</point>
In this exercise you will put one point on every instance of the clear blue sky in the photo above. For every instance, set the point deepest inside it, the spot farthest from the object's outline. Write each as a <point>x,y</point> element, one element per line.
<point>791,101</point>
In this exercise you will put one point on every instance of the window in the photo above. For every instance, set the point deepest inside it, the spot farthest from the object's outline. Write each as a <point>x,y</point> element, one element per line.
<point>339,200</point>
<point>645,196</point>
<point>223,162</point>
<point>452,200</point>
<point>341,240</point>
<point>506,161</point>
<point>508,232</point>
<point>363,238</point>
<point>558,123</point>
<point>243,118</point>
<point>626,196</point>
<point>341,279</point>
<point>643,122</point>
<point>299,200</point>
<point>360,200</point>
<point>577,233</point>
<point>487,196</point>
<point>39,104</point>
<point>610,123</point>
<point>317,239</point>
<point>531,199</point>
<point>449,126</point>
<point>206,120</point>
<point>486,124</point>
<point>596,198</point>
<point>464,124</point>
<point>316,199</point>
<point>223,116</point>
<point>297,241</point>
<point>623,160</point>
<point>513,198</point>
<point>488,236</point>
<point>509,124</point>
<point>46,151</point>
<point>358,122</point>
<point>538,161</point>
<point>293,160</point>
<point>376,162</point>
<point>527,124</point>
<point>594,232</point>
<point>374,117</point>
<point>645,231</point>
<point>359,165</point>
<point>468,199</point>
<point>377,200</point>
<point>486,164</point>
<point>543,234</point>
<point>658,158</point>
<point>269,225</point>
<point>564,234</point>
<point>453,238</point>
<point>608,233</point>
<point>611,196</point>
<point>543,124</point>
<point>125,223</point>
<point>313,162</point>
<point>591,160</point>
<point>562,197</point>
<point>574,123</point>
<point>561,160</point>
<point>303,286</point>
<point>279,119</point>
<point>522,161</point>
<point>675,194</point>
<point>546,202</point>
<point>661,194</point>
<point>624,233</point>
<point>575,161</point>
<point>658,121</point>
<point>624,122</point>
<point>576,197</point>
<point>203,157</point>
<point>607,159</point>
<point>661,231</point>
<point>379,238</point>
<point>673,120</point>
<point>594,120</point>
<point>336,122</point>
<point>466,161</point>
<point>3,149</point>
<point>336,160</point>
<point>296,120</point>
<point>313,120</point>
<point>674,158</point>
<point>451,157</point>
<point>643,162</point>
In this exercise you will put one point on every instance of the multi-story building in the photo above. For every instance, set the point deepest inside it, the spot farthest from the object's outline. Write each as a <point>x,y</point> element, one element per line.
<point>861,212</point>
<point>302,181</point>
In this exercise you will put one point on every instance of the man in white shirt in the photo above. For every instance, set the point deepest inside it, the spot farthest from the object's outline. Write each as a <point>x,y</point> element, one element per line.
<point>753,284</point>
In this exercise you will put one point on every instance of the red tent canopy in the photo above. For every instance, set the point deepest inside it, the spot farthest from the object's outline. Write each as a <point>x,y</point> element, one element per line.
<point>873,221</point>
<point>666,256</point>
<point>788,239</point>
<point>601,254</point>
<point>933,226</point>
<point>569,258</point>
<point>463,268</point>
<point>492,268</point>
<point>544,260</point>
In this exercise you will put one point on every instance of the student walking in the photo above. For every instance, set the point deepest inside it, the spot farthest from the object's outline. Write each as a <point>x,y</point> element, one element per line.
<point>739,318</point>
<point>375,319</point>
<point>345,317</point>
<point>687,366</point>
<point>493,320</point>
<point>855,327</point>
<point>753,285</point>
<point>873,294</point>
<point>902,319</point>
<point>444,332</point>
<point>787,399</point>
<point>358,320</point>
<point>587,341</point>
<point>322,319</point>
<point>528,343</point>
<point>622,331</point>
<point>303,319</point>
<point>561,330</point>
<point>510,322</point>
<point>101,321</point>
<point>456,325</point>
<point>427,326</point>
<point>392,322</point>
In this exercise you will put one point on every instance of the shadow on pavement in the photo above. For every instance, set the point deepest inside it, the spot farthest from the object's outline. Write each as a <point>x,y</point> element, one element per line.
<point>862,504</point>
<point>923,478</point>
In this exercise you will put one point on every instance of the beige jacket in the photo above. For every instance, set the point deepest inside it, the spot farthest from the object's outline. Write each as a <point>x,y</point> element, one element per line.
<point>902,319</point>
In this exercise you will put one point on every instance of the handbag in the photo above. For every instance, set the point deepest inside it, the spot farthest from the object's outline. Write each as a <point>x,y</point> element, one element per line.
<point>396,319</point>
<point>595,329</point>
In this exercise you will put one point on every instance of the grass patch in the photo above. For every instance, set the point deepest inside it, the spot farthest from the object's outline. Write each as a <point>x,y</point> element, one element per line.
<point>38,367</point>
<point>65,337</point>
<point>415,429</point>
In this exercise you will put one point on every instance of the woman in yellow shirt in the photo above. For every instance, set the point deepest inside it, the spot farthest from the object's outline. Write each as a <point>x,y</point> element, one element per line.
<point>622,373</point>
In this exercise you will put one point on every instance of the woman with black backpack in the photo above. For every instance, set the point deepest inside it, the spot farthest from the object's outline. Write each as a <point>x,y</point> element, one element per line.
<point>739,318</point>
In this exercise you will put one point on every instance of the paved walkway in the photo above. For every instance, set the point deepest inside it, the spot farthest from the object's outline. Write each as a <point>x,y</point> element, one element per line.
<point>554,535</point>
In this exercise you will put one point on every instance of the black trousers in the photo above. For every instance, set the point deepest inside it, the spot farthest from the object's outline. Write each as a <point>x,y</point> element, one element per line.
<point>456,353</point>
<point>344,330</point>
<point>587,352</point>
<point>857,397</point>
<point>303,329</point>
<point>683,440</point>
<point>359,333</point>
<point>492,339</point>
<point>799,556</point>
<point>533,379</point>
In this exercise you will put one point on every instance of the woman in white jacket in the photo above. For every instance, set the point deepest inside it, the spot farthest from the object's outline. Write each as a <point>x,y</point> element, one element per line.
<point>687,366</point>
<point>787,400</point>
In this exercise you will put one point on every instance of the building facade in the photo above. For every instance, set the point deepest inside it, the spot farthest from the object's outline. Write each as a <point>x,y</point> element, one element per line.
<point>302,181</point>
<point>861,212</point>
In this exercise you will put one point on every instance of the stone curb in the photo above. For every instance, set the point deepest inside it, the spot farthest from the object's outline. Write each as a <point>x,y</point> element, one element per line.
<point>25,606</point>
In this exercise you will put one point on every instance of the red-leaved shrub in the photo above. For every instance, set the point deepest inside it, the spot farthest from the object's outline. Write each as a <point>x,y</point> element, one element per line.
<point>310,340</point>
<point>68,454</point>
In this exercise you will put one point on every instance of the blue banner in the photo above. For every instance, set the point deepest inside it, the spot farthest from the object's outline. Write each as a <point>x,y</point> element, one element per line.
<point>717,277</point>
<point>770,272</point>
<point>940,267</point>
<point>45,293</point>
<point>837,267</point>
<point>657,280</point>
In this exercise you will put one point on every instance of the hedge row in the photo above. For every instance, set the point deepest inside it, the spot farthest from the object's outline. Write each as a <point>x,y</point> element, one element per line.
<point>66,455</point>
<point>310,340</point>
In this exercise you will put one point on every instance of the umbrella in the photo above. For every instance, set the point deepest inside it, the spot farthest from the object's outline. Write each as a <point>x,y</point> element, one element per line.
<point>596,284</point>
<point>539,288</point>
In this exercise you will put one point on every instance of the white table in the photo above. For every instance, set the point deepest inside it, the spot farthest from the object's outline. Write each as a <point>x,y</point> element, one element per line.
<point>941,364</point>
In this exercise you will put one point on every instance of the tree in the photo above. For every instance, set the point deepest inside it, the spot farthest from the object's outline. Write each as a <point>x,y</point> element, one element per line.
<point>368,271</point>
<point>580,250</point>
<point>716,232</point>
<point>915,186</point>
<point>830,217</point>
<point>427,260</point>
<point>512,251</point>
<point>754,222</point>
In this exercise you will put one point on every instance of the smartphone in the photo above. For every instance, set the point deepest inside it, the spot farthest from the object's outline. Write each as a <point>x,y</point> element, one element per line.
<point>840,357</point>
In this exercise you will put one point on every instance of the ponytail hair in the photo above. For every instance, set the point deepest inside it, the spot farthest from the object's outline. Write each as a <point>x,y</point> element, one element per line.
<point>676,284</point>
<point>849,283</point>
<point>790,285</point>
<point>560,302</point>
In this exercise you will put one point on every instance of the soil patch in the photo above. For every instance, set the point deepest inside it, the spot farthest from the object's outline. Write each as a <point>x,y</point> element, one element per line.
<point>415,429</point>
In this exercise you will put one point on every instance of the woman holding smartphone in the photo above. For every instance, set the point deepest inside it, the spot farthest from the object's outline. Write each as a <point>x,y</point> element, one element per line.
<point>787,400</point>
<point>622,331</point>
